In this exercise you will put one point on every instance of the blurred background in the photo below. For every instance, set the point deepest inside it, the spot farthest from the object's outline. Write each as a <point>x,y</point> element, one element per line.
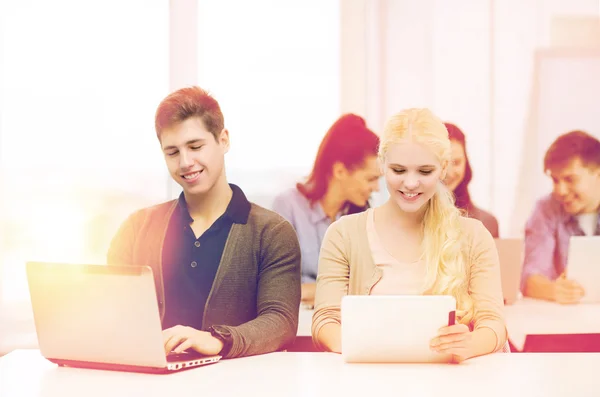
<point>80,82</point>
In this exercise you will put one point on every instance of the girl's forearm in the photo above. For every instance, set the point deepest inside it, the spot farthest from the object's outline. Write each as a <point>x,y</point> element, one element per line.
<point>330,336</point>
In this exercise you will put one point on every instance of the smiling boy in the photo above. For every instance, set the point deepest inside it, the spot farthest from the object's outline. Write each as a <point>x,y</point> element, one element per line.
<point>573,163</point>
<point>227,271</point>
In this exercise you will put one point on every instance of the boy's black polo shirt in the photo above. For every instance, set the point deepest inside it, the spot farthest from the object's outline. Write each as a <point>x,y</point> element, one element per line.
<point>190,265</point>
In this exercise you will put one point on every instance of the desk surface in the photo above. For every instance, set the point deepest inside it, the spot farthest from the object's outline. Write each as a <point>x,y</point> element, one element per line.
<point>524,317</point>
<point>26,373</point>
<point>304,322</point>
<point>17,329</point>
<point>527,317</point>
<point>537,317</point>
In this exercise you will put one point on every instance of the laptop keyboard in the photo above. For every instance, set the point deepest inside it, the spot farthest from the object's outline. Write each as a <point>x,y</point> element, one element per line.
<point>184,356</point>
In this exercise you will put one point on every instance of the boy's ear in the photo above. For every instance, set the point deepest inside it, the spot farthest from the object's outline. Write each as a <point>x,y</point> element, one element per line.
<point>224,139</point>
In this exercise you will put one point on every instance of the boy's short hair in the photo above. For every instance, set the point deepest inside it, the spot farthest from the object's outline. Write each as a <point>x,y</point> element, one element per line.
<point>570,146</point>
<point>186,103</point>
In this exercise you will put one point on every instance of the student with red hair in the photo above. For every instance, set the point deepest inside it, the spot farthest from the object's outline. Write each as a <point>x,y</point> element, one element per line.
<point>344,175</point>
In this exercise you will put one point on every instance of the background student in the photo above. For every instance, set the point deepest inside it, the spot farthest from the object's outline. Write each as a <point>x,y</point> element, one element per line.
<point>344,175</point>
<point>573,163</point>
<point>459,176</point>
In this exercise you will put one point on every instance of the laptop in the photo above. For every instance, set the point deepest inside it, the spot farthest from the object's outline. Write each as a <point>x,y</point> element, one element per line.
<point>510,253</point>
<point>102,317</point>
<point>583,265</point>
<point>394,328</point>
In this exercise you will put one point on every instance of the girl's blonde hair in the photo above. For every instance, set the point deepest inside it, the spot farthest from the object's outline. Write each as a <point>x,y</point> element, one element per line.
<point>442,244</point>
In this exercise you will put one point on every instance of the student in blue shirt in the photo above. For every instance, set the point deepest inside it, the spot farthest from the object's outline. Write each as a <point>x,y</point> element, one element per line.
<point>344,175</point>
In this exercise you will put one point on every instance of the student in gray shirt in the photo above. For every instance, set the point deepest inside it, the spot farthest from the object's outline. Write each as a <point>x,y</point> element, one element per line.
<point>344,174</point>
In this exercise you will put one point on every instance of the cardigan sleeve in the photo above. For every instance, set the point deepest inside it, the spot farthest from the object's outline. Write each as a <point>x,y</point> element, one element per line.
<point>485,286</point>
<point>278,297</point>
<point>332,280</point>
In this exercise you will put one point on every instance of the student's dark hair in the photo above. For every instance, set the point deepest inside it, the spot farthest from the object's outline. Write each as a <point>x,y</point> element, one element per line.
<point>461,193</point>
<point>571,145</point>
<point>186,103</point>
<point>347,141</point>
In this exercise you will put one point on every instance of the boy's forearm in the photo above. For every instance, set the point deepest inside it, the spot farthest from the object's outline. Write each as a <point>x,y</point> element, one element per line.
<point>539,287</point>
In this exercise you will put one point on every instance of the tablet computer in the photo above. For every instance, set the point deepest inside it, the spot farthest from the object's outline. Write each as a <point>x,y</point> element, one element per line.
<point>583,265</point>
<point>394,328</point>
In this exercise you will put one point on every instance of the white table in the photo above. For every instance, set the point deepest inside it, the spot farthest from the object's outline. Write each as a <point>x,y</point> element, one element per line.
<point>526,317</point>
<point>304,322</point>
<point>20,329</point>
<point>17,329</point>
<point>537,317</point>
<point>26,373</point>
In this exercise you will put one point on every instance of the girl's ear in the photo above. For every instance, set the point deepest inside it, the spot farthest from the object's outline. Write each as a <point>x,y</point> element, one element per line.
<point>444,170</point>
<point>339,170</point>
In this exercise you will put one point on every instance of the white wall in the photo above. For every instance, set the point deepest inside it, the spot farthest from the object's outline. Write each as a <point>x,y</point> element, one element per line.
<point>79,85</point>
<point>73,71</point>
<point>520,28</point>
<point>276,77</point>
<point>79,82</point>
<point>471,61</point>
<point>78,88</point>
